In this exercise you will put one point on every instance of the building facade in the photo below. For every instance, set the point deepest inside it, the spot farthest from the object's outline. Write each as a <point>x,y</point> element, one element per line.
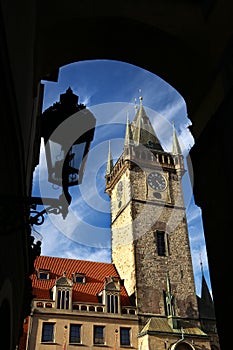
<point>78,303</point>
<point>145,299</point>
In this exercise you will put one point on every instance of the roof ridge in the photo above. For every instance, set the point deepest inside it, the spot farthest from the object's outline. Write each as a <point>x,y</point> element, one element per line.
<point>63,258</point>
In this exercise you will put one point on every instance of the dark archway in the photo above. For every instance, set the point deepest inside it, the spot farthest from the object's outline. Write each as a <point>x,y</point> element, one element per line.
<point>187,43</point>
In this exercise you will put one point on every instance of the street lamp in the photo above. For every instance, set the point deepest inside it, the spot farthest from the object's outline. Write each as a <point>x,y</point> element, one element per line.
<point>67,129</point>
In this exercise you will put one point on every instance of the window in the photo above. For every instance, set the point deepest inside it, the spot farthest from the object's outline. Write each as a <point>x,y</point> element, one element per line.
<point>47,332</point>
<point>111,294</point>
<point>98,334</point>
<point>75,333</point>
<point>79,278</point>
<point>43,274</point>
<point>160,242</point>
<point>112,303</point>
<point>63,299</point>
<point>125,336</point>
<point>63,292</point>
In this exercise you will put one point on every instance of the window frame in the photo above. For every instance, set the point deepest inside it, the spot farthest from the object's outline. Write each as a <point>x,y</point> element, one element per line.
<point>52,332</point>
<point>96,336</point>
<point>79,326</point>
<point>45,273</point>
<point>63,298</point>
<point>79,278</point>
<point>113,302</point>
<point>123,337</point>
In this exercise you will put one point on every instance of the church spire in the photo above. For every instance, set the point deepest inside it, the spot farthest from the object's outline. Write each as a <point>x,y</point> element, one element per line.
<point>205,293</point>
<point>109,161</point>
<point>143,132</point>
<point>176,149</point>
<point>205,302</point>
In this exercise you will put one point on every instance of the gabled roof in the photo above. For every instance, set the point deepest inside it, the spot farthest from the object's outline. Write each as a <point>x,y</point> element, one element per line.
<point>95,273</point>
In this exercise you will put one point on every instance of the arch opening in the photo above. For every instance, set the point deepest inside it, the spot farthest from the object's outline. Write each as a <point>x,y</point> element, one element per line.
<point>109,89</point>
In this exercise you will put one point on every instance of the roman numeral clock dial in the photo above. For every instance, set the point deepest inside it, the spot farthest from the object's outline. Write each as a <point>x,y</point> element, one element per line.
<point>157,181</point>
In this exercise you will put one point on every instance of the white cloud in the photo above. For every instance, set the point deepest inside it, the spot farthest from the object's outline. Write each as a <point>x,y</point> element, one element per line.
<point>54,243</point>
<point>84,253</point>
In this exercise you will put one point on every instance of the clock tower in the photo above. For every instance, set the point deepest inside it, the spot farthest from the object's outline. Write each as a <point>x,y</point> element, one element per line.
<point>150,243</point>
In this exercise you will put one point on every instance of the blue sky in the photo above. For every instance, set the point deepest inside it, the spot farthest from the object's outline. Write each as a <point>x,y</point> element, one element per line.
<point>109,89</point>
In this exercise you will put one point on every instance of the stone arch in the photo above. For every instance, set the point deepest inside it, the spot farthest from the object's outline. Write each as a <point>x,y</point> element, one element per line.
<point>182,345</point>
<point>211,48</point>
<point>150,48</point>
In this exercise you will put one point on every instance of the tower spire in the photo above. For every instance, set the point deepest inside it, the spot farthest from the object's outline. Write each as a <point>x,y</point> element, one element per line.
<point>176,149</point>
<point>143,132</point>
<point>109,161</point>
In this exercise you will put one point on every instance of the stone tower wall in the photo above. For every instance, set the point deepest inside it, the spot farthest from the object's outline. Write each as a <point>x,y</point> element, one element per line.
<point>168,215</point>
<point>123,252</point>
<point>135,220</point>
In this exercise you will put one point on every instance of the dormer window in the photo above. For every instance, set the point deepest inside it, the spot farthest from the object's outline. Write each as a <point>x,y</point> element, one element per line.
<point>63,293</point>
<point>111,294</point>
<point>43,274</point>
<point>79,278</point>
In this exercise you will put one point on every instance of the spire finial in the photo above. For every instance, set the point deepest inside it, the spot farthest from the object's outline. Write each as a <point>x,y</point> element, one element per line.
<point>140,97</point>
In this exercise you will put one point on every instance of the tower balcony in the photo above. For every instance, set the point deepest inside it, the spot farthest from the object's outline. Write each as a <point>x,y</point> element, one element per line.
<point>141,156</point>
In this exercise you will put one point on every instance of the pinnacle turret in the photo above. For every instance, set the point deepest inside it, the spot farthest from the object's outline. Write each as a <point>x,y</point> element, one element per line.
<point>128,133</point>
<point>109,161</point>
<point>176,149</point>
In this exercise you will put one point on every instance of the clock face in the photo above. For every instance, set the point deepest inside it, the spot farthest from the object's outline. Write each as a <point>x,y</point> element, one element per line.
<point>157,181</point>
<point>119,190</point>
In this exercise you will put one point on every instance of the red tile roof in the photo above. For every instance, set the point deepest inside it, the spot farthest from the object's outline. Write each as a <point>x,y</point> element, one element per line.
<point>95,273</point>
